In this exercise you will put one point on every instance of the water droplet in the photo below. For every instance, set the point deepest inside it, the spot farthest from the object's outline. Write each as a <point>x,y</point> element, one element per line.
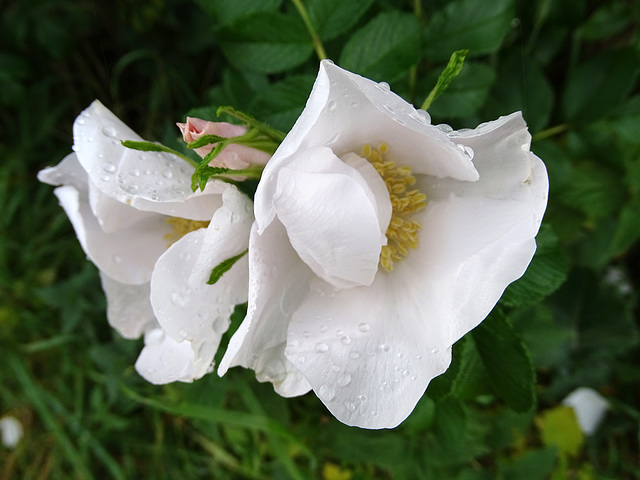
<point>413,377</point>
<point>167,174</point>
<point>332,105</point>
<point>385,348</point>
<point>354,355</point>
<point>362,398</point>
<point>339,333</point>
<point>109,131</point>
<point>90,139</point>
<point>350,406</point>
<point>327,392</point>
<point>345,340</point>
<point>363,327</point>
<point>405,372</point>
<point>419,357</point>
<point>117,259</point>
<point>109,167</point>
<point>335,368</point>
<point>435,351</point>
<point>183,333</point>
<point>374,413</point>
<point>105,178</point>
<point>324,328</point>
<point>384,86</point>
<point>177,299</point>
<point>134,172</point>
<point>344,380</point>
<point>321,347</point>
<point>400,355</point>
<point>81,121</point>
<point>301,359</point>
<point>305,334</point>
<point>85,114</point>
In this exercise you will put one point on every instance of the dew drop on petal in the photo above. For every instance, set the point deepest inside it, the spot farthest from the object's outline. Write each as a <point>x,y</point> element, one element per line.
<point>183,333</point>
<point>117,259</point>
<point>345,340</point>
<point>81,121</point>
<point>385,348</point>
<point>384,86</point>
<point>344,380</point>
<point>339,333</point>
<point>363,327</point>
<point>324,328</point>
<point>362,398</point>
<point>335,368</point>
<point>109,131</point>
<point>177,299</point>
<point>350,406</point>
<point>435,351</point>
<point>332,105</point>
<point>354,355</point>
<point>321,347</point>
<point>301,359</point>
<point>167,174</point>
<point>327,392</point>
<point>105,178</point>
<point>109,167</point>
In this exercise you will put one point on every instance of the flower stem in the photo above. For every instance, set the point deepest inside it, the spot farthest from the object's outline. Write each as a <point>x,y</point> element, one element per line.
<point>550,132</point>
<point>317,43</point>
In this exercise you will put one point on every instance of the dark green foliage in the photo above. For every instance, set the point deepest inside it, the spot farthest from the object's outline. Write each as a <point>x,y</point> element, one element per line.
<point>572,68</point>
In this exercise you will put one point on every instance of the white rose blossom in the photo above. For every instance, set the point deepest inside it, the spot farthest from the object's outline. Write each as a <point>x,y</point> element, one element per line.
<point>155,243</point>
<point>379,241</point>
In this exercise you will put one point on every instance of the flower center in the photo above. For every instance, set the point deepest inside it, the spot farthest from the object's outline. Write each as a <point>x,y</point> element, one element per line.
<point>402,233</point>
<point>182,226</point>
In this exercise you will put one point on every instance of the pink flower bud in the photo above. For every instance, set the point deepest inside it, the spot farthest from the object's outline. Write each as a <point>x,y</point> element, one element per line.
<point>233,156</point>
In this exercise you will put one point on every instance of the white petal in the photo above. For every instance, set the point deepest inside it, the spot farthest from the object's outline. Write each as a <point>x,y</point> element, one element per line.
<point>187,308</point>
<point>508,170</point>
<point>128,307</point>
<point>11,431</point>
<point>153,181</point>
<point>590,408</point>
<point>127,256</point>
<point>67,172</point>
<point>331,217</point>
<point>277,283</point>
<point>163,360</point>
<point>367,354</point>
<point>111,214</point>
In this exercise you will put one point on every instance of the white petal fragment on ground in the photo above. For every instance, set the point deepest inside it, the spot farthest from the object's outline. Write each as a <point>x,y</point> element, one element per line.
<point>11,431</point>
<point>590,408</point>
<point>187,308</point>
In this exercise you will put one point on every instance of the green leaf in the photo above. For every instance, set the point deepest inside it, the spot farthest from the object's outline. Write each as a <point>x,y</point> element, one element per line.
<point>597,86</point>
<point>332,18</point>
<point>467,94</point>
<point>384,48</point>
<point>507,362</point>
<point>451,71</point>
<point>478,26</point>
<point>531,465</point>
<point>155,147</point>
<point>281,104</point>
<point>223,267</point>
<point>265,42</point>
<point>522,86</point>
<point>559,428</point>
<point>226,12</point>
<point>545,274</point>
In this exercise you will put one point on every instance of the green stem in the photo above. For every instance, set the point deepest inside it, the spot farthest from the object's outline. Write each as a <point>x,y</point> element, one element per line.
<point>550,132</point>
<point>317,43</point>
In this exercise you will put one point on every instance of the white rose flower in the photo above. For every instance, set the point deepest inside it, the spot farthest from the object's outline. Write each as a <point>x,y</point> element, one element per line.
<point>155,243</point>
<point>379,241</point>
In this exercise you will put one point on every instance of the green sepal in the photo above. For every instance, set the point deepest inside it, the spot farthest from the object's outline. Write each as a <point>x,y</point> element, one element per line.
<point>451,71</point>
<point>224,267</point>
<point>155,147</point>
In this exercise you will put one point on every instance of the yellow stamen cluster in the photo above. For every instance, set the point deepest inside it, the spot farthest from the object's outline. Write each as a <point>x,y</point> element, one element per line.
<point>402,232</point>
<point>182,226</point>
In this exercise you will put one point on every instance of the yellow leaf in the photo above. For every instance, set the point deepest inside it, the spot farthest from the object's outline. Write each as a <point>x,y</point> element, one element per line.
<point>331,471</point>
<point>559,427</point>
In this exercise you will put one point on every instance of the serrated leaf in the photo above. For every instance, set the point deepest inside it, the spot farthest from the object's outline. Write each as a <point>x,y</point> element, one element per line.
<point>597,86</point>
<point>281,104</point>
<point>545,274</point>
<point>507,362</point>
<point>335,17</point>
<point>265,42</point>
<point>559,428</point>
<point>478,26</point>
<point>466,94</point>
<point>384,48</point>
<point>451,71</point>
<point>223,267</point>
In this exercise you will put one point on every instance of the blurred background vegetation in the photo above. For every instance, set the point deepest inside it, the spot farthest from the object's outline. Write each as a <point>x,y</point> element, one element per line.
<point>571,66</point>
